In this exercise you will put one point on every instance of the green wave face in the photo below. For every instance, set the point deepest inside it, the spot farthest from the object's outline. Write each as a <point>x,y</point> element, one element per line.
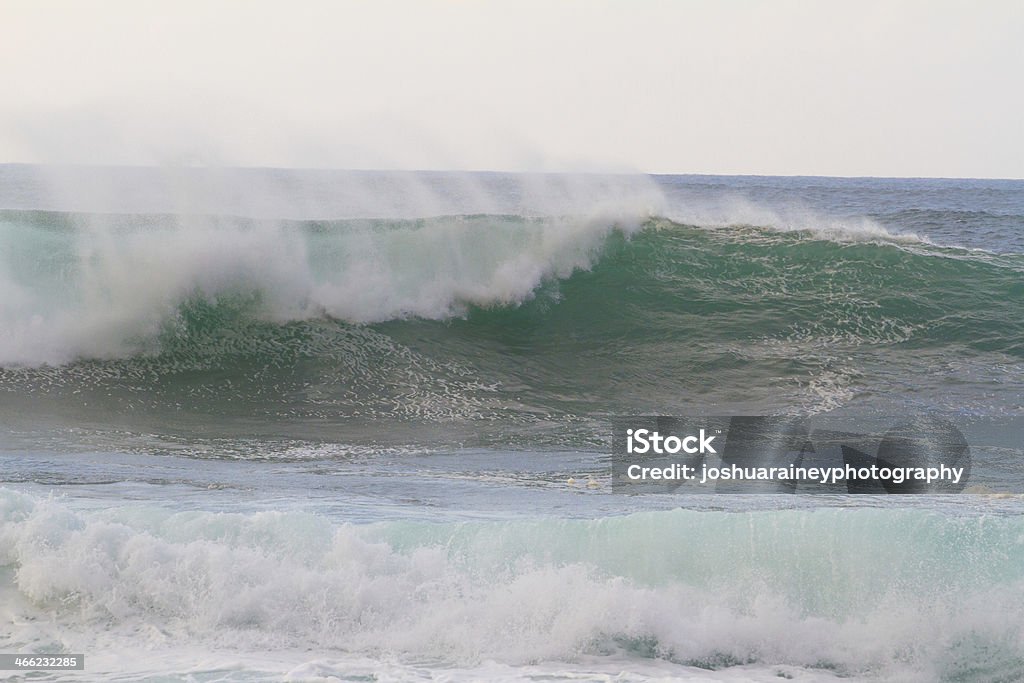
<point>494,319</point>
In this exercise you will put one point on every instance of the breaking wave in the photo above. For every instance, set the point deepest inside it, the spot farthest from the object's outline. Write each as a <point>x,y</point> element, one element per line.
<point>900,594</point>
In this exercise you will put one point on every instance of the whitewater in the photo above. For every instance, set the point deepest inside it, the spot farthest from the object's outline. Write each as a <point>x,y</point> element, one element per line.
<point>315,425</point>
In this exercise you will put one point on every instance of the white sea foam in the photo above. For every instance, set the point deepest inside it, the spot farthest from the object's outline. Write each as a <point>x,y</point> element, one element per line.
<point>803,589</point>
<point>738,211</point>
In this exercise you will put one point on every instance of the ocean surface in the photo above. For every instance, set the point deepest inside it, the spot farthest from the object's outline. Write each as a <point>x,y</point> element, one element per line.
<point>261,425</point>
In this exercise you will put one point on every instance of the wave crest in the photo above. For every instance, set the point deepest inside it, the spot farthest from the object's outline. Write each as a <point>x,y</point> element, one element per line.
<point>110,287</point>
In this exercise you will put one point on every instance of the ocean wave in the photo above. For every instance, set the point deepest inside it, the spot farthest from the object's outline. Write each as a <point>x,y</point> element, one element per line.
<point>116,286</point>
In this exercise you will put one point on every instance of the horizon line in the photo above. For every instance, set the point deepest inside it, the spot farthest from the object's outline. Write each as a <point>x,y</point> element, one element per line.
<point>257,167</point>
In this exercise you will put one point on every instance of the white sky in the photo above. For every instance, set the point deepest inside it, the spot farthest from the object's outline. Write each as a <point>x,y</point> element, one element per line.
<point>844,87</point>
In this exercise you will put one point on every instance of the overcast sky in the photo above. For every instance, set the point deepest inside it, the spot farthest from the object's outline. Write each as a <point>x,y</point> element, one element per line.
<point>850,87</point>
